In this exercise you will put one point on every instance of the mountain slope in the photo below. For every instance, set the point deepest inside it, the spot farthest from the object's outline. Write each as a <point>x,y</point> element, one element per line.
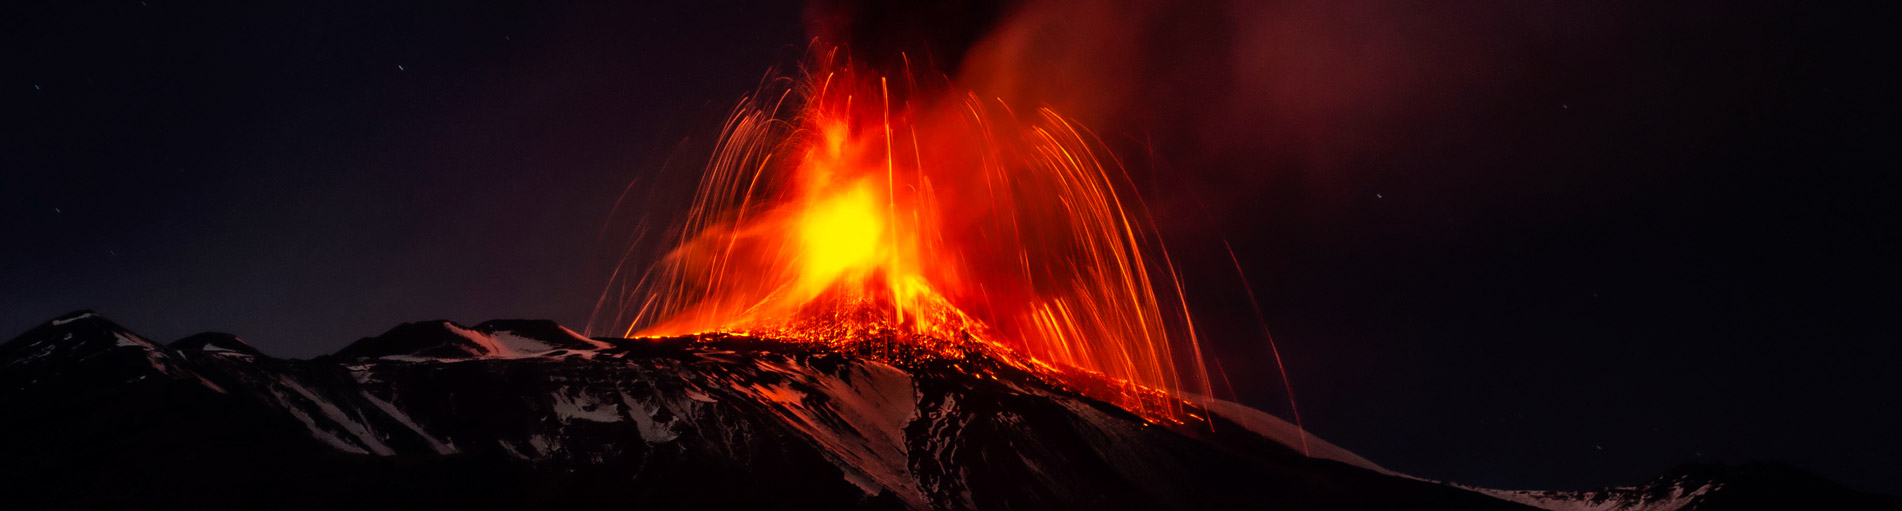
<point>526,414</point>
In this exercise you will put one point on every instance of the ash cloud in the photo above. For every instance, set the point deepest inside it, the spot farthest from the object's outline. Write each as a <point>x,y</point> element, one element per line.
<point>1222,102</point>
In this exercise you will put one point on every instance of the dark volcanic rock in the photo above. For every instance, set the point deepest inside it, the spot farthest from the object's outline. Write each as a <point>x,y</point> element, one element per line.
<point>214,342</point>
<point>441,339</point>
<point>542,331</point>
<point>424,339</point>
<point>529,415</point>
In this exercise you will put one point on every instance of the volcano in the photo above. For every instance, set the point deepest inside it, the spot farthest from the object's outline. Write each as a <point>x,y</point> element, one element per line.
<point>525,414</point>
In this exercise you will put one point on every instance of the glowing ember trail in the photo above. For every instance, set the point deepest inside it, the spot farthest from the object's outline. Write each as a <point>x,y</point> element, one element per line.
<point>847,209</point>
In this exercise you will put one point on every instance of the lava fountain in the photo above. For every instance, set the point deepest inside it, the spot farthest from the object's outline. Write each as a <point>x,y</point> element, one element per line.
<point>849,207</point>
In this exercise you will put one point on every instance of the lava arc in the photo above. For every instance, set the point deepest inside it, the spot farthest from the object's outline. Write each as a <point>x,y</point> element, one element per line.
<point>849,206</point>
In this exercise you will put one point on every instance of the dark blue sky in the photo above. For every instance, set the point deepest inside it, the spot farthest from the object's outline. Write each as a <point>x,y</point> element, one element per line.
<point>1518,244</point>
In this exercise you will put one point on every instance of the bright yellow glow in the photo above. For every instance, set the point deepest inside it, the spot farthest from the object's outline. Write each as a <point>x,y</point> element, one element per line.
<point>930,222</point>
<point>837,235</point>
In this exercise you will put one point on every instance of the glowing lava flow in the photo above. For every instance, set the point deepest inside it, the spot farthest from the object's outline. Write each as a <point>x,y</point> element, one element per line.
<point>840,210</point>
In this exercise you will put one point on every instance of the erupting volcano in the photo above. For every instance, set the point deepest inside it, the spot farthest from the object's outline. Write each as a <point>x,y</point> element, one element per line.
<point>929,266</point>
<point>876,212</point>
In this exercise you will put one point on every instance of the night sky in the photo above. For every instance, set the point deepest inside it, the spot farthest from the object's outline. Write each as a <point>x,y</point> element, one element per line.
<point>1518,244</point>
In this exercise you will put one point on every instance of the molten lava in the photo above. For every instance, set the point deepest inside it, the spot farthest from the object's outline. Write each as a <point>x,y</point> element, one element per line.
<point>847,209</point>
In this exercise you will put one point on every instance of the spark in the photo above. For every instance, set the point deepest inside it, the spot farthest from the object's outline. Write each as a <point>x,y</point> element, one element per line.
<point>1272,348</point>
<point>1012,237</point>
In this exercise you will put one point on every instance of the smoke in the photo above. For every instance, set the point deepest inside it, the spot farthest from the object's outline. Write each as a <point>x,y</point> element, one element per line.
<point>1247,88</point>
<point>1234,98</point>
<point>1273,123</point>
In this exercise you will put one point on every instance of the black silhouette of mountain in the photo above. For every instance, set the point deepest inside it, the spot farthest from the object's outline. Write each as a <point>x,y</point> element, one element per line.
<point>521,414</point>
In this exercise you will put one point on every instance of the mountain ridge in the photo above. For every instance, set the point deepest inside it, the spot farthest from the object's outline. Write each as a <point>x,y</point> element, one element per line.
<point>531,409</point>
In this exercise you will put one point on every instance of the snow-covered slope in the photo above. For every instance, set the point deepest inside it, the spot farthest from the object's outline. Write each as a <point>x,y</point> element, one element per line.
<point>527,414</point>
<point>1272,427</point>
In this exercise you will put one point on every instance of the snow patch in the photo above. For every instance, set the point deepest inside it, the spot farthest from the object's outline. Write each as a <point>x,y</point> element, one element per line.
<point>1281,431</point>
<point>508,344</point>
<point>1615,499</point>
<point>518,345</point>
<point>652,431</point>
<point>390,409</point>
<point>487,343</point>
<point>858,422</point>
<point>322,435</point>
<point>541,445</point>
<point>511,450</point>
<point>530,345</point>
<point>45,349</point>
<point>581,406</point>
<point>599,345</point>
<point>125,339</point>
<point>336,415</point>
<point>62,321</point>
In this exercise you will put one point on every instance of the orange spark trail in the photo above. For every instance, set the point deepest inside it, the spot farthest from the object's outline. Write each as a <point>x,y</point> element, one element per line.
<point>1020,237</point>
<point>1271,347</point>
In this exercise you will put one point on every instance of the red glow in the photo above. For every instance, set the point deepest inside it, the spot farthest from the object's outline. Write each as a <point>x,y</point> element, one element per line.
<point>843,211</point>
